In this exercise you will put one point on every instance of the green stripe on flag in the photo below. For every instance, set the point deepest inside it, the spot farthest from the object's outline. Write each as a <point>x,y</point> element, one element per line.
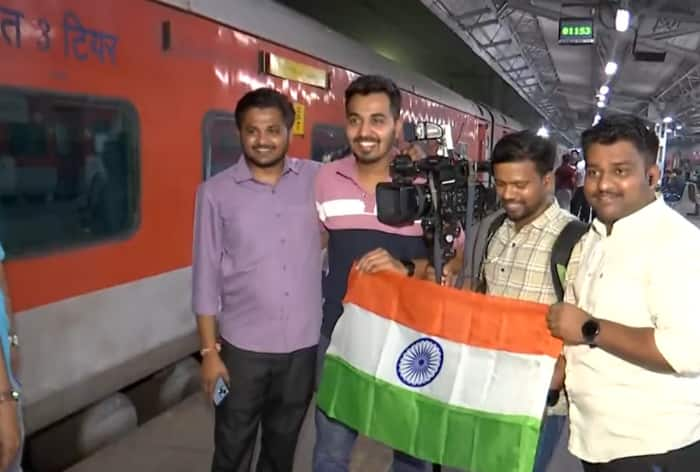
<point>426,428</point>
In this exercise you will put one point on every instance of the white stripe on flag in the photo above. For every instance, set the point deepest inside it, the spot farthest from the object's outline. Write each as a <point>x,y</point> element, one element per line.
<point>508,383</point>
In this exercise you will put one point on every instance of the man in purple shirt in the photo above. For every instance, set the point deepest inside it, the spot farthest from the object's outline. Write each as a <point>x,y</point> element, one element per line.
<point>256,274</point>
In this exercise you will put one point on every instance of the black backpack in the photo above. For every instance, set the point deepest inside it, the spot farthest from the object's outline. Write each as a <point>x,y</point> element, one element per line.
<point>561,250</point>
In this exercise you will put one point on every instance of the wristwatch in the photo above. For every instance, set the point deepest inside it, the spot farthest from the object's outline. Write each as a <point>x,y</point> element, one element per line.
<point>9,396</point>
<point>204,351</point>
<point>410,267</point>
<point>590,330</point>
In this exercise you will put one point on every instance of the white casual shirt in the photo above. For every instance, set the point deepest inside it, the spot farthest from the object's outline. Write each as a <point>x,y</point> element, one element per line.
<point>646,273</point>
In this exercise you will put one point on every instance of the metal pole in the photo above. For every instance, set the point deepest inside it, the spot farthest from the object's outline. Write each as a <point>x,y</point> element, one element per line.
<point>661,130</point>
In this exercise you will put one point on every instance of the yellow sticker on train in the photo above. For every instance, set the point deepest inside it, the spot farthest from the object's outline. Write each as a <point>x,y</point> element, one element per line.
<point>298,126</point>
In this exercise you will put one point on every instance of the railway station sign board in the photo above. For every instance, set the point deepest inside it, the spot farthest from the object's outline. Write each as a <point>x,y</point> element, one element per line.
<point>289,69</point>
<point>576,31</point>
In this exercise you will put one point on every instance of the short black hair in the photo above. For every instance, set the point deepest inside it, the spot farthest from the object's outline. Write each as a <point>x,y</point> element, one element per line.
<point>265,98</point>
<point>367,84</point>
<point>623,127</point>
<point>525,146</point>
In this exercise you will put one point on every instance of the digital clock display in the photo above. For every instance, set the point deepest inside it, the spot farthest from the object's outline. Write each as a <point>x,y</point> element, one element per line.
<point>576,31</point>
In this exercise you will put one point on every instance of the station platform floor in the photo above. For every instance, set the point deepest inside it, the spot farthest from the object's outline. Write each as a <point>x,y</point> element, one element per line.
<point>181,440</point>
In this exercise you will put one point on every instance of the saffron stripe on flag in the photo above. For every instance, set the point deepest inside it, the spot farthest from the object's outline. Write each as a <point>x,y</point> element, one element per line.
<point>470,318</point>
<point>465,376</point>
<point>425,428</point>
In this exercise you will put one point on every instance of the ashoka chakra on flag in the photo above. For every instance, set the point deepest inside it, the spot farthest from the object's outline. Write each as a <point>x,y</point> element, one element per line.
<point>420,363</point>
<point>452,377</point>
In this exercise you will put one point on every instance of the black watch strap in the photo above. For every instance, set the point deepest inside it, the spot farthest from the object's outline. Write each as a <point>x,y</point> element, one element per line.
<point>410,267</point>
<point>590,331</point>
<point>553,397</point>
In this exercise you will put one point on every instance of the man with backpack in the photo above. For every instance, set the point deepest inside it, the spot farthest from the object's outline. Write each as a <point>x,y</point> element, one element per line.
<point>523,250</point>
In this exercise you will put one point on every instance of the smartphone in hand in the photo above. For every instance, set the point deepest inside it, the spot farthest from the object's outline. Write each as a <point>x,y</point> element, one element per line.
<point>220,391</point>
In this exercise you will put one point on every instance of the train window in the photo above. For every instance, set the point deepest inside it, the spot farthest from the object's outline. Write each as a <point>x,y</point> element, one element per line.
<point>69,170</point>
<point>328,143</point>
<point>222,142</point>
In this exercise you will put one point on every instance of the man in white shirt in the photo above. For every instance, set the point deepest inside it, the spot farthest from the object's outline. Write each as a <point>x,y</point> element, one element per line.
<point>632,325</point>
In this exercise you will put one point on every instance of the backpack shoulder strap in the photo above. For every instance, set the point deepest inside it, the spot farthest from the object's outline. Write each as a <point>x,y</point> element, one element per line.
<point>561,253</point>
<point>487,228</point>
<point>475,247</point>
<point>496,223</point>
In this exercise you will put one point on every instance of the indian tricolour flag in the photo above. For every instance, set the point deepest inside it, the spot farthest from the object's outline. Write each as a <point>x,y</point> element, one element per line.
<point>452,377</point>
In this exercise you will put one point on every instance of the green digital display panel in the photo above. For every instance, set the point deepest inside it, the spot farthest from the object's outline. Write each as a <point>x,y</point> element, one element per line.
<point>576,31</point>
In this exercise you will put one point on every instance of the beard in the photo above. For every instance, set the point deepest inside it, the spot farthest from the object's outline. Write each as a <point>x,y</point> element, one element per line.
<point>515,209</point>
<point>370,150</point>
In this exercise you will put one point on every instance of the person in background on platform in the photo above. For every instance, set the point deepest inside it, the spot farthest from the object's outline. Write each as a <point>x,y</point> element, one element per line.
<point>11,435</point>
<point>631,324</point>
<point>579,205</point>
<point>565,182</point>
<point>256,276</point>
<point>346,202</point>
<point>676,183</point>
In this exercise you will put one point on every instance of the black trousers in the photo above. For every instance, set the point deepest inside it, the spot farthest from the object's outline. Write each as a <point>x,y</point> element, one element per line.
<point>686,459</point>
<point>580,206</point>
<point>271,390</point>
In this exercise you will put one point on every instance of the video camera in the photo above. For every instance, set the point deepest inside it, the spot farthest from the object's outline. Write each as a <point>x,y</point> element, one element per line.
<point>433,190</point>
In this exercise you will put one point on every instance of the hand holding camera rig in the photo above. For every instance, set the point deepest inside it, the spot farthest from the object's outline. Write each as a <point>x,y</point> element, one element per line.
<point>433,189</point>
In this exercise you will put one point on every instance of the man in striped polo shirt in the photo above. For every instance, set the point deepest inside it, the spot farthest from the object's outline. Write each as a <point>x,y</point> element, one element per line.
<point>346,202</point>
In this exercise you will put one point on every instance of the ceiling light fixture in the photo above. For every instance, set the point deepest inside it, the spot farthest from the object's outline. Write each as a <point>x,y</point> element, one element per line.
<point>622,17</point>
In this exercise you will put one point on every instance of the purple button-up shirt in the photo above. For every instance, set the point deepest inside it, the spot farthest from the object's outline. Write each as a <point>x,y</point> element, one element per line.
<point>257,258</point>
